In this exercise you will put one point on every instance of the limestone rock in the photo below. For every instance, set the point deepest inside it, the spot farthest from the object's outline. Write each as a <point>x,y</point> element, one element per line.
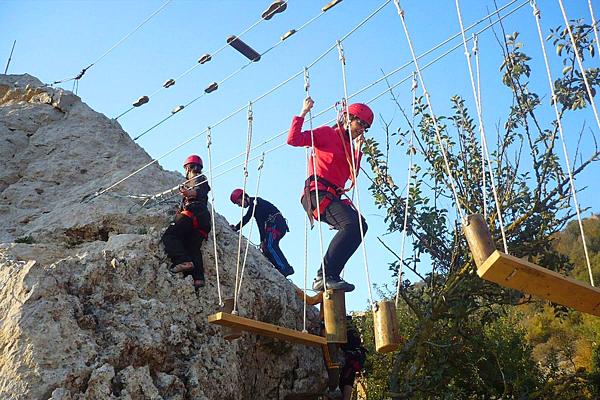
<point>89,309</point>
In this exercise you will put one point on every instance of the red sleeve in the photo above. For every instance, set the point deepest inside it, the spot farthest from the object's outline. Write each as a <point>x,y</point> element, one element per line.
<point>298,138</point>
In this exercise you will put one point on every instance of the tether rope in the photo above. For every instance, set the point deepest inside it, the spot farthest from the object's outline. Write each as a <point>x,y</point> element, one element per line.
<point>239,288</point>
<point>429,105</point>
<point>594,25</point>
<point>248,145</point>
<point>197,64</point>
<point>409,174</point>
<point>580,62</point>
<point>483,153</point>
<point>314,163</point>
<point>537,15</point>
<point>212,213</point>
<point>413,89</point>
<point>354,154</point>
<point>482,135</point>
<point>277,86</point>
<point>84,70</point>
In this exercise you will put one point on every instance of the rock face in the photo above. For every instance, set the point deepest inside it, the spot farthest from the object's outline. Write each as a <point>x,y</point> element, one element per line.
<point>89,309</point>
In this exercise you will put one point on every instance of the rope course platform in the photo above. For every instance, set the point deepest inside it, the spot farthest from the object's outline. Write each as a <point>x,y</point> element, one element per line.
<point>515,273</point>
<point>264,329</point>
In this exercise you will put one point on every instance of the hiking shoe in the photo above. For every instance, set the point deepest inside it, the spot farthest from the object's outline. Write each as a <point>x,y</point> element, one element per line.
<point>287,271</point>
<point>183,267</point>
<point>332,282</point>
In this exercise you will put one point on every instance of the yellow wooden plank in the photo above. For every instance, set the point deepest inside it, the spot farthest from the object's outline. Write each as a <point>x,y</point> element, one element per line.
<point>514,273</point>
<point>262,328</point>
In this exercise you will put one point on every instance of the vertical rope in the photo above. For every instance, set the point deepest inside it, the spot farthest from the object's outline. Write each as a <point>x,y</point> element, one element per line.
<point>260,167</point>
<point>354,172</point>
<point>481,126</point>
<point>475,51</point>
<point>594,25</point>
<point>212,211</point>
<point>314,162</point>
<point>435,121</point>
<point>580,63</point>
<point>305,259</point>
<point>413,89</point>
<point>537,15</point>
<point>248,146</point>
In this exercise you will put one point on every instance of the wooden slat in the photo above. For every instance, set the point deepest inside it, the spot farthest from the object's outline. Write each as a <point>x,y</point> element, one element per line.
<point>262,328</point>
<point>514,273</point>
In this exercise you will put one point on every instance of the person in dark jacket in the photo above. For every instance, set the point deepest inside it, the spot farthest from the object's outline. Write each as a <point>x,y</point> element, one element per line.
<point>332,161</point>
<point>355,356</point>
<point>272,227</point>
<point>184,237</point>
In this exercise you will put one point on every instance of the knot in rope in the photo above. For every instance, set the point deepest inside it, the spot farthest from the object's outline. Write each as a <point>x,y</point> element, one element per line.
<point>536,10</point>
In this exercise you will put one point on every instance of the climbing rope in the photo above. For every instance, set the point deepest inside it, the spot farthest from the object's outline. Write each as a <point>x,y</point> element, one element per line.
<point>248,146</point>
<point>475,51</point>
<point>580,62</point>
<point>239,288</point>
<point>84,70</point>
<point>429,105</point>
<point>537,15</point>
<point>482,135</point>
<point>409,174</point>
<point>314,164</point>
<point>594,25</point>
<point>354,155</point>
<point>212,211</point>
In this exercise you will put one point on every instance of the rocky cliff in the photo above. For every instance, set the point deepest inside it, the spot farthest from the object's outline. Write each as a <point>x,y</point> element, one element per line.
<point>88,308</point>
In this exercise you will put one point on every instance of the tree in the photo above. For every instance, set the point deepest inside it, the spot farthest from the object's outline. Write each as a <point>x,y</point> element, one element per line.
<point>464,342</point>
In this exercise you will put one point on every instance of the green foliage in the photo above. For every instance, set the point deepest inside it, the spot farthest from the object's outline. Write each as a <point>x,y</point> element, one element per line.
<point>25,239</point>
<point>464,339</point>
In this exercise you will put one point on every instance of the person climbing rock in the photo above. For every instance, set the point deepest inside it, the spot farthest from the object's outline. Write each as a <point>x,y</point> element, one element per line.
<point>271,226</point>
<point>184,236</point>
<point>334,161</point>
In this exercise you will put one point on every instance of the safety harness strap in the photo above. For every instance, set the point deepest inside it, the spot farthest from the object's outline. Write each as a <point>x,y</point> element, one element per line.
<point>195,223</point>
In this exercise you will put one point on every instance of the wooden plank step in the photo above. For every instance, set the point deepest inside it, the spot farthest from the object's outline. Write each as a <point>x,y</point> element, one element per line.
<point>262,328</point>
<point>514,273</point>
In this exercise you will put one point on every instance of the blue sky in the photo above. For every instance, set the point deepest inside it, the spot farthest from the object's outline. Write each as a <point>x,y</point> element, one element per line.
<point>56,39</point>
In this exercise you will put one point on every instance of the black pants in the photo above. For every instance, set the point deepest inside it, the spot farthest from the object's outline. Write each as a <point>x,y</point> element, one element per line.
<point>345,219</point>
<point>182,242</point>
<point>270,248</point>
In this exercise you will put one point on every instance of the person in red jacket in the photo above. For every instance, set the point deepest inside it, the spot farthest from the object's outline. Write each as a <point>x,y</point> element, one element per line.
<point>185,235</point>
<point>334,158</point>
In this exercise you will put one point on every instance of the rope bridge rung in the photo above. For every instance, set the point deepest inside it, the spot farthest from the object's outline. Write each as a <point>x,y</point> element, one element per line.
<point>515,273</point>
<point>264,329</point>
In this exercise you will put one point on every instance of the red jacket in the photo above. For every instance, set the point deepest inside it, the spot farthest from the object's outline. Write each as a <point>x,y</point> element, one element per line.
<point>332,151</point>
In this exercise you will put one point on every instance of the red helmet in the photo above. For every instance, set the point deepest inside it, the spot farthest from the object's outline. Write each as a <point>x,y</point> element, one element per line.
<point>362,112</point>
<point>235,195</point>
<point>193,159</point>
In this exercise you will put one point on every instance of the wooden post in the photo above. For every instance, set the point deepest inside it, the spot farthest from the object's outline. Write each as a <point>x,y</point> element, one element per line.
<point>334,313</point>
<point>230,333</point>
<point>479,238</point>
<point>385,322</point>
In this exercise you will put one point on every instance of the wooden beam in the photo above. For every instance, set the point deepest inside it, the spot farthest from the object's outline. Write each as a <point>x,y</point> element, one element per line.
<point>514,273</point>
<point>262,328</point>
